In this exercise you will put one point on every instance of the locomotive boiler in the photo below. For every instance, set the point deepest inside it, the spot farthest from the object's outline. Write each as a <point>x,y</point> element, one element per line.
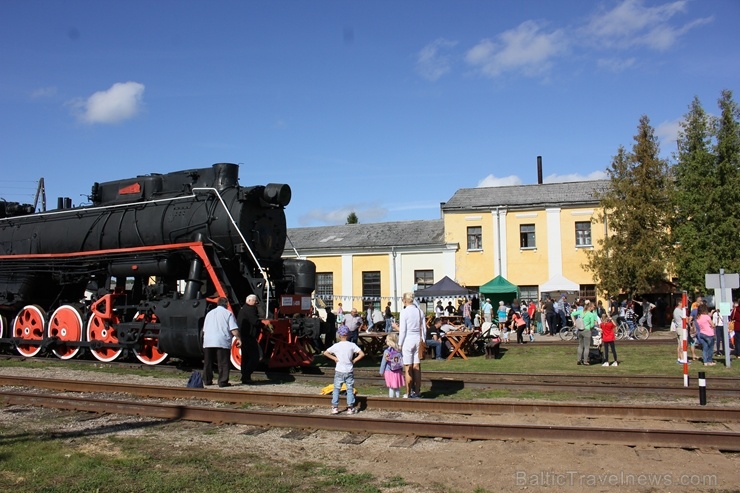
<point>138,268</point>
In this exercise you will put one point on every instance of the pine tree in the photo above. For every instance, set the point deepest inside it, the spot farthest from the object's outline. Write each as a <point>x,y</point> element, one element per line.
<point>726,203</point>
<point>633,257</point>
<point>694,176</point>
<point>352,218</point>
<point>707,194</point>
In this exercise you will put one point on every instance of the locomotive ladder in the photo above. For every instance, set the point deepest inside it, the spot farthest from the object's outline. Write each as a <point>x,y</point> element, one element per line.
<point>224,279</point>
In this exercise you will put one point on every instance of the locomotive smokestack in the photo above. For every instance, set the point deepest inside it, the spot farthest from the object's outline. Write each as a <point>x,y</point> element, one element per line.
<point>539,170</point>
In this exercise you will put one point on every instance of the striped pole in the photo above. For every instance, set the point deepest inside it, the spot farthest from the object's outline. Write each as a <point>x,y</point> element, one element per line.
<point>685,340</point>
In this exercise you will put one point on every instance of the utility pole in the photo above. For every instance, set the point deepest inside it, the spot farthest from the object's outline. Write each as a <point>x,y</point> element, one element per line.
<point>40,191</point>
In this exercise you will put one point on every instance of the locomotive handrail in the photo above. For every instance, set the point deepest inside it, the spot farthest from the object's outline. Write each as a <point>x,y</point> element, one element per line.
<point>77,210</point>
<point>294,248</point>
<point>236,227</point>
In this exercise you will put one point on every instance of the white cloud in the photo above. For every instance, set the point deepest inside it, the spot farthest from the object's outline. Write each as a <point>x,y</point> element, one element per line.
<point>526,49</point>
<point>631,24</point>
<point>43,92</point>
<point>364,213</point>
<point>667,134</point>
<point>124,100</point>
<point>493,181</point>
<point>531,49</point>
<point>594,175</point>
<point>434,60</point>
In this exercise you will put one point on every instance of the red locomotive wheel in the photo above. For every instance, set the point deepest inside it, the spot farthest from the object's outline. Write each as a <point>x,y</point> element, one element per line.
<point>236,355</point>
<point>66,324</point>
<point>150,353</point>
<point>97,330</point>
<point>29,326</point>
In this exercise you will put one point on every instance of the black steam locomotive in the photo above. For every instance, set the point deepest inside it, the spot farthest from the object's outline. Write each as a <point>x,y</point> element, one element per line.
<point>138,269</point>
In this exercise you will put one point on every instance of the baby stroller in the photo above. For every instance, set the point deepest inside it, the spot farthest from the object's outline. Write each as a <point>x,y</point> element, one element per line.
<point>596,350</point>
<point>489,340</point>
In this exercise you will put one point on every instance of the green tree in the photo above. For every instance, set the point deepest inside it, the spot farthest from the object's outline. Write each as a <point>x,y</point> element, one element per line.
<point>633,257</point>
<point>726,206</point>
<point>352,218</point>
<point>694,176</point>
<point>707,194</point>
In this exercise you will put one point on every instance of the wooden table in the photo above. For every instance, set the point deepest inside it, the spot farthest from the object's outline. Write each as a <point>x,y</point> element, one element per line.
<point>458,340</point>
<point>451,319</point>
<point>372,343</point>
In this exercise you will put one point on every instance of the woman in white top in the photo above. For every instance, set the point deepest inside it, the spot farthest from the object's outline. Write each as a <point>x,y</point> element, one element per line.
<point>719,331</point>
<point>410,331</point>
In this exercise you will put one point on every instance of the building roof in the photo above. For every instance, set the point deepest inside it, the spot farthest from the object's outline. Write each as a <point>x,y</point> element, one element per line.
<point>361,236</point>
<point>527,196</point>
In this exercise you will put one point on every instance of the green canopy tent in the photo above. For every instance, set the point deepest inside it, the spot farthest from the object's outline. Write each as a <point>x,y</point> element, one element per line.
<point>499,289</point>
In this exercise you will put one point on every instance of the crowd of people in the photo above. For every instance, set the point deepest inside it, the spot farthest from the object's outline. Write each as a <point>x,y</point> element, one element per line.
<point>705,330</point>
<point>401,362</point>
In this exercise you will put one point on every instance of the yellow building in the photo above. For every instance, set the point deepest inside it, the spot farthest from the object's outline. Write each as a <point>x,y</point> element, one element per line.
<point>375,263</point>
<point>535,236</point>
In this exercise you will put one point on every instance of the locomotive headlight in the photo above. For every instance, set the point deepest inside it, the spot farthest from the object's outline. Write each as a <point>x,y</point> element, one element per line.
<point>277,194</point>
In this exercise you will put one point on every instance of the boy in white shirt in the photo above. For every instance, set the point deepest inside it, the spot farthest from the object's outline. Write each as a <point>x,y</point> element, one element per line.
<point>345,354</point>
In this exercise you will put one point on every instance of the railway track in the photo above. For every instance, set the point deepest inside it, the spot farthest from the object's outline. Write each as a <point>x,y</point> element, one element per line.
<point>444,382</point>
<point>442,406</point>
<point>576,383</point>
<point>674,437</point>
<point>559,342</point>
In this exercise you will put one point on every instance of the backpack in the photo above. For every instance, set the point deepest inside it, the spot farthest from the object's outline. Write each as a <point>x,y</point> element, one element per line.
<point>195,381</point>
<point>393,360</point>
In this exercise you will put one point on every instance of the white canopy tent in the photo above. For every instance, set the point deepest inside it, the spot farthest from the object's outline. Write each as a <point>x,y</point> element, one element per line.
<point>559,283</point>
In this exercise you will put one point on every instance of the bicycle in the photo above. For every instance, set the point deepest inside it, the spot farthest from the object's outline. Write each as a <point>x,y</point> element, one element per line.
<point>623,330</point>
<point>568,333</point>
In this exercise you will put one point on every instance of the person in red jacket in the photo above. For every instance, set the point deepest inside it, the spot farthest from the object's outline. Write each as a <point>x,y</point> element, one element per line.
<point>531,309</point>
<point>607,337</point>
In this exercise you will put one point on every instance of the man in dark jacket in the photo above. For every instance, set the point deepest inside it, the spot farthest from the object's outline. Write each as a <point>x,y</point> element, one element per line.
<point>250,327</point>
<point>330,328</point>
<point>551,316</point>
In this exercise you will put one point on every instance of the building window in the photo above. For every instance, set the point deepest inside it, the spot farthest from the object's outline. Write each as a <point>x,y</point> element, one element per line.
<point>475,238</point>
<point>587,292</point>
<point>526,236</point>
<point>583,233</point>
<point>423,278</point>
<point>371,288</point>
<point>325,288</point>
<point>528,293</point>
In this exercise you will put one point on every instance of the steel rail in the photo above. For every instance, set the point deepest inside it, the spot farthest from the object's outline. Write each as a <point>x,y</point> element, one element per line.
<point>523,383</point>
<point>443,406</point>
<point>728,441</point>
<point>574,343</point>
<point>571,377</point>
<point>545,381</point>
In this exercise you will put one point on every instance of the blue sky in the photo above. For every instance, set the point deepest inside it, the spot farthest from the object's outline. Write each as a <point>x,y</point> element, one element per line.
<point>384,108</point>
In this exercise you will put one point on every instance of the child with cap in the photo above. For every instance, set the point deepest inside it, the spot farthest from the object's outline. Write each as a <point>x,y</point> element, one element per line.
<point>345,354</point>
